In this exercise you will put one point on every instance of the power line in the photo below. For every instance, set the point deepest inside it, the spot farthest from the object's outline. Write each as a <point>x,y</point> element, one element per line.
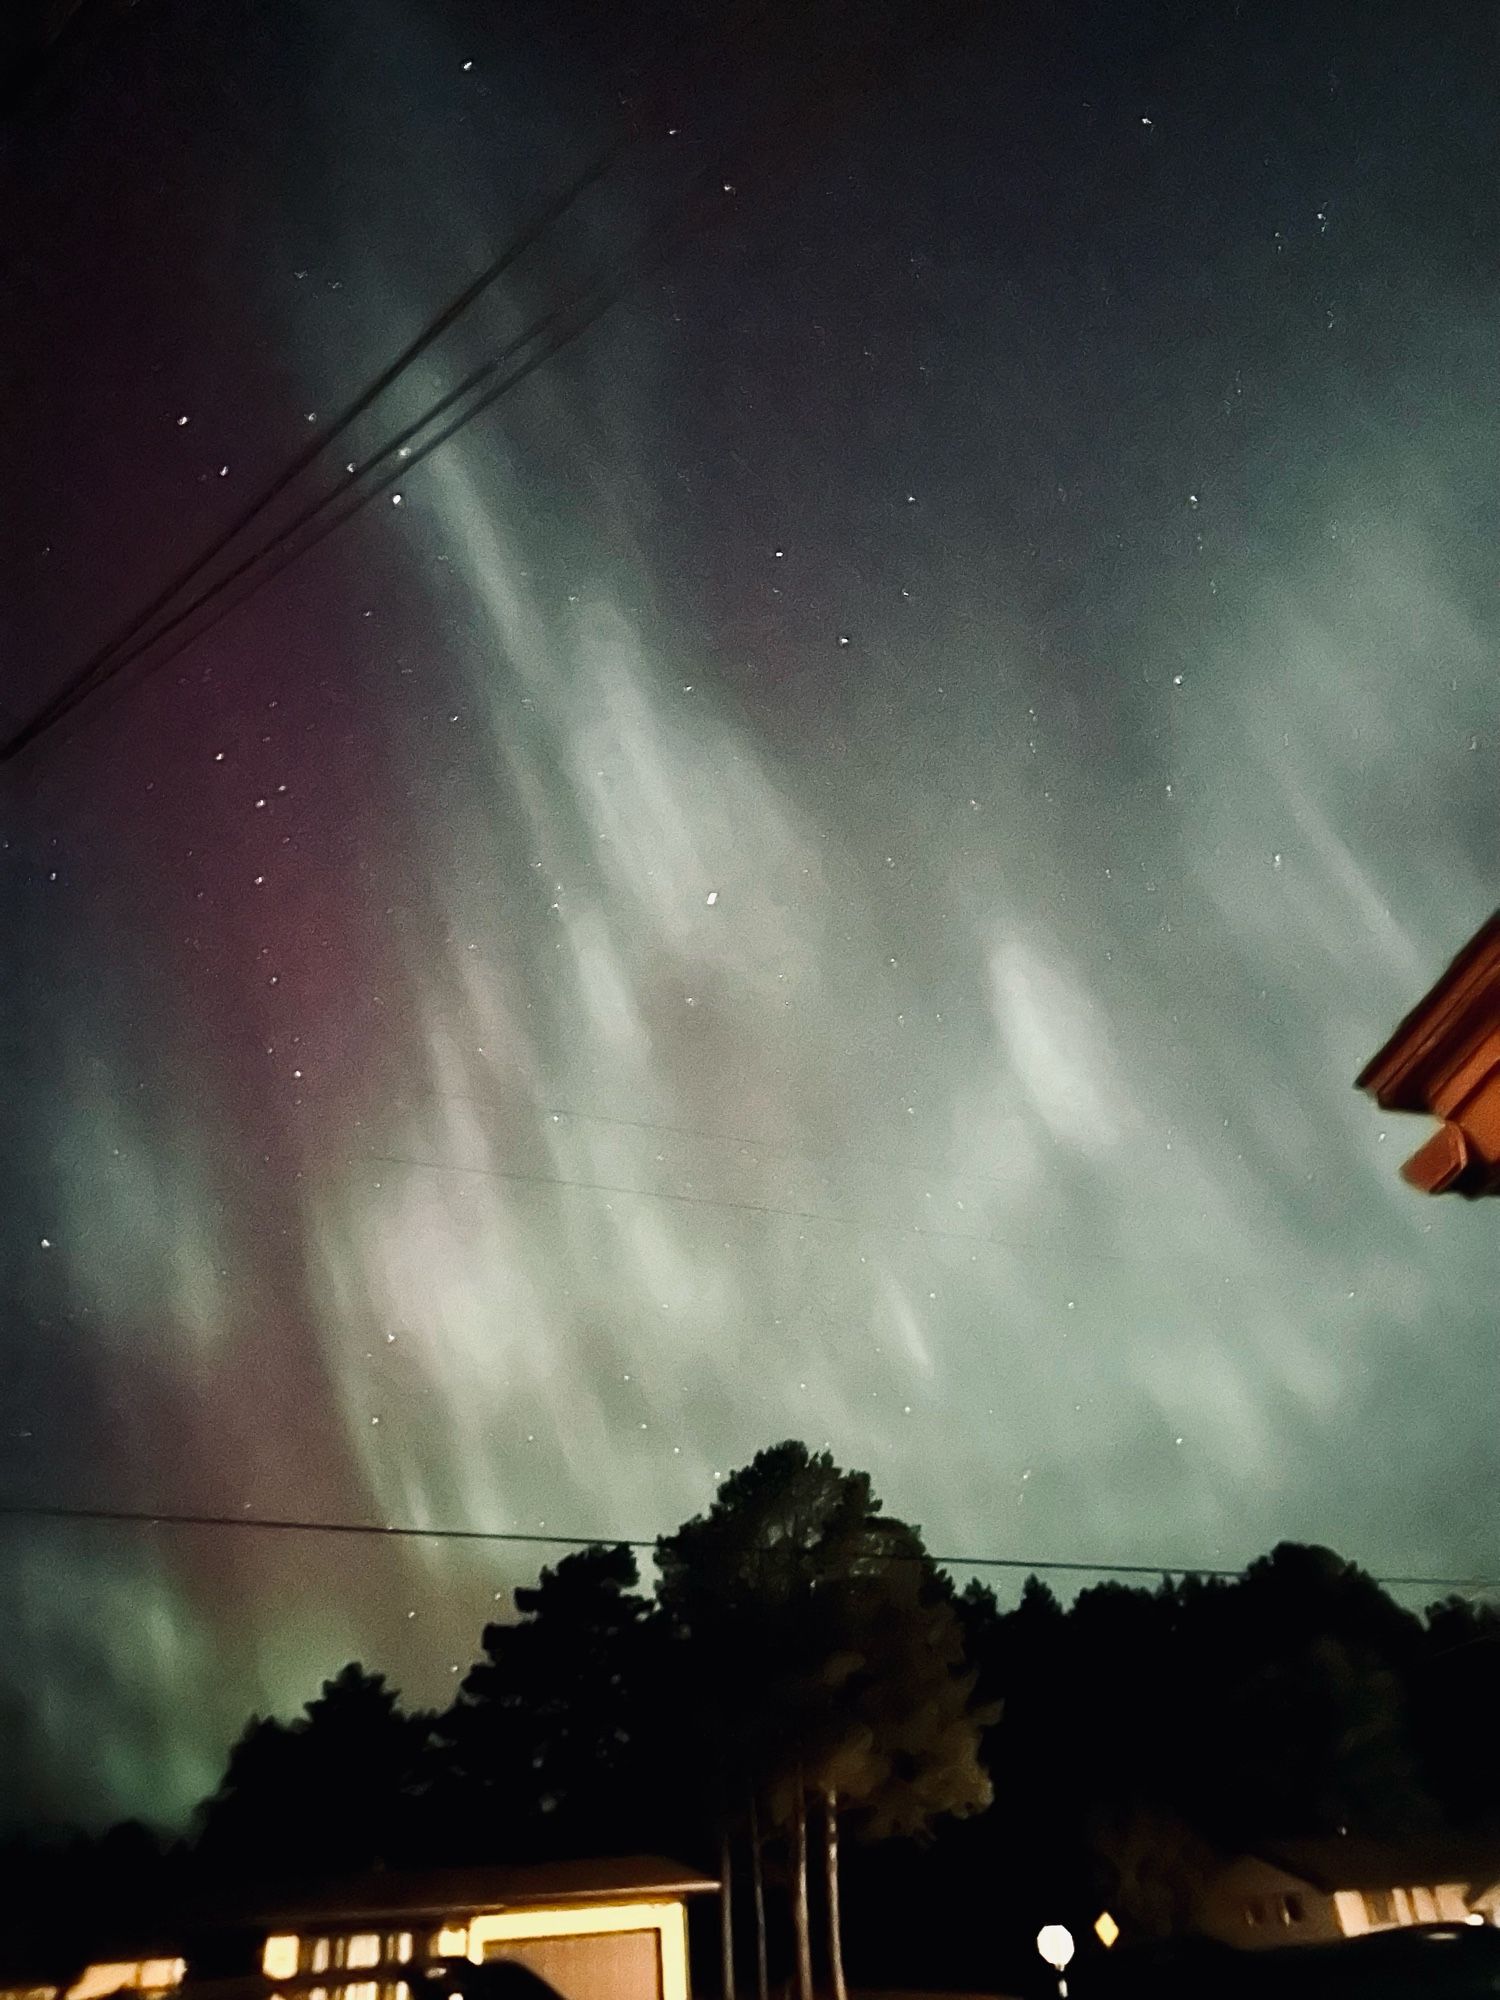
<point>532,1179</point>
<point>79,683</point>
<point>917,1169</point>
<point>93,670</point>
<point>563,325</point>
<point>393,1531</point>
<point>1018,1245</point>
<point>860,1223</point>
<point>571,320</point>
<point>767,1149</point>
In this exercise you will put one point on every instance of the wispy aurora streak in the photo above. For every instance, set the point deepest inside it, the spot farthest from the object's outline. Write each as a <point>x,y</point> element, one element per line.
<point>637,1025</point>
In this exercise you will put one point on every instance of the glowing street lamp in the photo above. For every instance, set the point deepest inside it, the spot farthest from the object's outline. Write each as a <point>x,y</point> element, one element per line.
<point>1055,1943</point>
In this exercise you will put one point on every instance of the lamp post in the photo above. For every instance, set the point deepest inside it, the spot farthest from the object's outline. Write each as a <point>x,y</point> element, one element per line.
<point>1055,1943</point>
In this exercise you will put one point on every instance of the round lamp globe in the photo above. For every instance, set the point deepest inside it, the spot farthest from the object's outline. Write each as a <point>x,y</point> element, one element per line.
<point>1055,1943</point>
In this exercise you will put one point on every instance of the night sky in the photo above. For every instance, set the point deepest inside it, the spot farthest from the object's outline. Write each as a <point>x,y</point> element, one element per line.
<point>827,871</point>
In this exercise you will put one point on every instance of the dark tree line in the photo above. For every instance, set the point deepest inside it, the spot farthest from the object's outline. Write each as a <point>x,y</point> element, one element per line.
<point>801,1669</point>
<point>806,1706</point>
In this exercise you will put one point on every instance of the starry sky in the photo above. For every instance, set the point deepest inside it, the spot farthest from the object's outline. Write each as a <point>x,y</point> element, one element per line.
<point>826,872</point>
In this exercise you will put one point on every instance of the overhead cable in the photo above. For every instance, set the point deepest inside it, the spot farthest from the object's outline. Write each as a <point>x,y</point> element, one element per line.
<point>398,1531</point>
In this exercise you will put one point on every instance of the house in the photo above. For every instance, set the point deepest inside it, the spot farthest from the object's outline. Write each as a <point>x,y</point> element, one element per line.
<point>581,1930</point>
<point>1313,1891</point>
<point>1444,1061</point>
<point>58,1977</point>
<point>591,1930</point>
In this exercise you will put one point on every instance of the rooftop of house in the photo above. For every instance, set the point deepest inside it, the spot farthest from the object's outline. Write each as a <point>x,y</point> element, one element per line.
<point>228,1926</point>
<point>455,1891</point>
<point>1344,1863</point>
<point>1462,1004</point>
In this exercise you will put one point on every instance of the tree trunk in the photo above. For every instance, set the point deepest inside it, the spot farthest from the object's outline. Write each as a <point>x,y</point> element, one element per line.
<point>758,1882</point>
<point>799,1894</point>
<point>831,1866</point>
<point>726,1912</point>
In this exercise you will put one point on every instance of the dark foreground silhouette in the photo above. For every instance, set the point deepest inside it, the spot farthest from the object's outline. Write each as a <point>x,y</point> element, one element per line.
<point>806,1699</point>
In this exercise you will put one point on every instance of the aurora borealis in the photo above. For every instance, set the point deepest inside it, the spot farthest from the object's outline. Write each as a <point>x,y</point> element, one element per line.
<point>827,872</point>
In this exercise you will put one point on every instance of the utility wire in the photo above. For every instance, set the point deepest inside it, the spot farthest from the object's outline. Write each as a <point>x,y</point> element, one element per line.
<point>1109,1260</point>
<point>570,321</point>
<point>398,1532</point>
<point>563,325</point>
<point>545,220</point>
<point>533,1179</point>
<point>864,1224</point>
<point>764,1147</point>
<point>78,684</point>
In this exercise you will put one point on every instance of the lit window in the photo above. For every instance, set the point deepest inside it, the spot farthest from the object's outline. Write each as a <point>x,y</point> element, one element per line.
<point>320,1954</point>
<point>453,1941</point>
<point>1380,1905</point>
<point>279,1959</point>
<point>362,1989</point>
<point>363,1950</point>
<point>401,1947</point>
<point>97,1980</point>
<point>136,1975</point>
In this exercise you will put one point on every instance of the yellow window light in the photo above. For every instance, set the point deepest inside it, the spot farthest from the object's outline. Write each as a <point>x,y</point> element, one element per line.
<point>279,1958</point>
<point>131,1975</point>
<point>95,1981</point>
<point>667,1920</point>
<point>1106,1929</point>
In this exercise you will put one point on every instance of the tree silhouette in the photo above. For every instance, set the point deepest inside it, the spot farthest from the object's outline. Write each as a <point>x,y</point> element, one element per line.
<point>909,1702</point>
<point>738,1588</point>
<point>1027,1661</point>
<point>550,1741</point>
<point>1148,1732</point>
<point>902,1732</point>
<point>829,1657</point>
<point>338,1788</point>
<point>1157,1863</point>
<point>1293,1685</point>
<point>1456,1684</point>
<point>806,1678</point>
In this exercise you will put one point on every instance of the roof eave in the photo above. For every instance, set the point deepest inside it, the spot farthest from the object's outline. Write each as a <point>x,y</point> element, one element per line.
<point>1436,1027</point>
